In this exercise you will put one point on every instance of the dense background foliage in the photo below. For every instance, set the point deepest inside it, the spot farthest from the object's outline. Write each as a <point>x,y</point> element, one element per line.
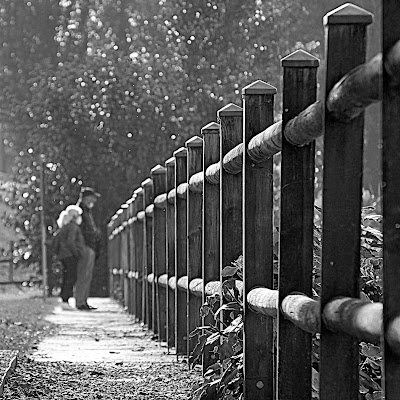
<point>106,89</point>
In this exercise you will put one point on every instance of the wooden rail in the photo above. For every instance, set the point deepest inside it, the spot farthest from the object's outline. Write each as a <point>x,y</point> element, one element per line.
<point>214,202</point>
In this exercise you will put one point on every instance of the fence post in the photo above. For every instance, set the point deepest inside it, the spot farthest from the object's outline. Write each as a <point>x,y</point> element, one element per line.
<point>170,184</point>
<point>110,256</point>
<point>139,253</point>
<point>194,235</point>
<point>258,349</point>
<point>158,175</point>
<point>211,241</point>
<point>231,134</point>
<point>296,228</point>
<point>147,186</point>
<point>180,252</point>
<point>148,201</point>
<point>120,247</point>
<point>11,263</point>
<point>132,253</point>
<point>116,255</point>
<point>343,166</point>
<point>125,253</point>
<point>391,198</point>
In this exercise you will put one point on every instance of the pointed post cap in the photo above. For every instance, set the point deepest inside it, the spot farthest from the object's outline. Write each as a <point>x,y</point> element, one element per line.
<point>348,14</point>
<point>147,182</point>
<point>138,191</point>
<point>259,87</point>
<point>230,110</point>
<point>212,127</point>
<point>181,152</point>
<point>170,162</point>
<point>300,59</point>
<point>195,141</point>
<point>158,169</point>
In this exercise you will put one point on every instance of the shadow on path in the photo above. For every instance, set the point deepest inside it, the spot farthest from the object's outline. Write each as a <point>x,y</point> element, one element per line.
<point>107,334</point>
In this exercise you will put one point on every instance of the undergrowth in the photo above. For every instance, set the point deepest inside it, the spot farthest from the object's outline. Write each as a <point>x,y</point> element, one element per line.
<point>224,378</point>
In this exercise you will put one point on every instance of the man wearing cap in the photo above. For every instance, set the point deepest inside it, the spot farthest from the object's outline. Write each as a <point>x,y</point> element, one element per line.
<point>91,234</point>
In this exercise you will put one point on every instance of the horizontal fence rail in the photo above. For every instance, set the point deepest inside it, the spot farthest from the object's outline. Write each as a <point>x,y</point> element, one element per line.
<point>212,204</point>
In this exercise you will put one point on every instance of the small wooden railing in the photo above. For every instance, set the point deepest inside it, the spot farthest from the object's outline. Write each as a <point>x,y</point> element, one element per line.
<point>213,201</point>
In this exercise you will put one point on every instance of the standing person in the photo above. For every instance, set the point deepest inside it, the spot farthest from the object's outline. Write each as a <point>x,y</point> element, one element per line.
<point>91,234</point>
<point>70,248</point>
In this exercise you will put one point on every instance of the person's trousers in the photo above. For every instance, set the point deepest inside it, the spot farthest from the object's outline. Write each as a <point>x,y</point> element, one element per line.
<point>69,277</point>
<point>85,273</point>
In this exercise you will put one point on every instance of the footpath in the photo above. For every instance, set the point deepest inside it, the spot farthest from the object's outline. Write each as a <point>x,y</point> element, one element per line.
<point>99,354</point>
<point>107,334</point>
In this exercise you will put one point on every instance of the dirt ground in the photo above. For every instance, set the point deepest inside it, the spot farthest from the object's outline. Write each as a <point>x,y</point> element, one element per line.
<point>23,326</point>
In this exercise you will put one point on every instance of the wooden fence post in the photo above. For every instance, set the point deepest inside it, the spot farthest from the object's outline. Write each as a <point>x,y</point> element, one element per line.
<point>231,229</point>
<point>139,254</point>
<point>124,257</point>
<point>180,252</point>
<point>391,199</point>
<point>258,346</point>
<point>128,229</point>
<point>110,256</point>
<point>296,228</point>
<point>159,260</point>
<point>194,235</point>
<point>117,283</point>
<point>147,186</point>
<point>132,252</point>
<point>343,166</point>
<point>158,176</point>
<point>148,198</point>
<point>211,241</point>
<point>170,184</point>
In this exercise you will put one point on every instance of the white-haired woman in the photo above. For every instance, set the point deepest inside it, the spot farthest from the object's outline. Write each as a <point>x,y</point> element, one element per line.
<point>71,245</point>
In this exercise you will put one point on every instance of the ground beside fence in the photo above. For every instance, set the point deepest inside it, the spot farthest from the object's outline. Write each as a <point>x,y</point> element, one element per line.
<point>99,354</point>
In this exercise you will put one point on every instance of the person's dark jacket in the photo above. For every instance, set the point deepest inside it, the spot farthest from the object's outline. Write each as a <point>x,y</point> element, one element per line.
<point>90,232</point>
<point>70,241</point>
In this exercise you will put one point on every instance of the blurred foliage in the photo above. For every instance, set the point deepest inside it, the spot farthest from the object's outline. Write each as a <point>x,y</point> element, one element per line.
<point>107,89</point>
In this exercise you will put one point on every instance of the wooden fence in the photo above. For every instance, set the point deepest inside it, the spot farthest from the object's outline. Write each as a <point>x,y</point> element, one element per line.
<point>213,201</point>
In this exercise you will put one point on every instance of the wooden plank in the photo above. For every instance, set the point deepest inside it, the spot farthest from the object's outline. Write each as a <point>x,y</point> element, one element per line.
<point>180,252</point>
<point>258,342</point>
<point>158,176</point>
<point>147,186</point>
<point>296,228</point>
<point>139,255</point>
<point>194,235</point>
<point>231,229</point>
<point>391,199</point>
<point>211,253</point>
<point>343,162</point>
<point>170,184</point>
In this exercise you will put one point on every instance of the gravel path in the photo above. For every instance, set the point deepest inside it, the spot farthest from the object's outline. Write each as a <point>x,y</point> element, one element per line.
<point>89,355</point>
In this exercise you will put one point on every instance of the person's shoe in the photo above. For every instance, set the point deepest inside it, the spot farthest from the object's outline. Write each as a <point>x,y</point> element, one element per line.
<point>83,307</point>
<point>65,305</point>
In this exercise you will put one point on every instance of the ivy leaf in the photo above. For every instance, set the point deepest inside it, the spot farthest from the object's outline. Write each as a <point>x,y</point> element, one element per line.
<point>198,350</point>
<point>233,306</point>
<point>371,351</point>
<point>378,395</point>
<point>229,271</point>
